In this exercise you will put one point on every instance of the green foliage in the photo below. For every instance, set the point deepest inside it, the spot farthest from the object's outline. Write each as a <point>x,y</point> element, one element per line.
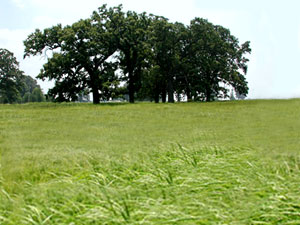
<point>133,35</point>
<point>10,78</point>
<point>14,85</point>
<point>31,91</point>
<point>84,48</point>
<point>26,97</point>
<point>165,58</point>
<point>29,85</point>
<point>37,95</point>
<point>218,60</point>
<point>189,163</point>
<point>158,59</point>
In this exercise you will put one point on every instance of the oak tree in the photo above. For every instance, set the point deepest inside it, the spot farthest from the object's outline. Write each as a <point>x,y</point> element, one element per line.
<point>80,54</point>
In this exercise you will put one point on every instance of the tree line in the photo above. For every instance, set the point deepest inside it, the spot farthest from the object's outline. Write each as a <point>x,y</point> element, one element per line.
<point>15,87</point>
<point>144,56</point>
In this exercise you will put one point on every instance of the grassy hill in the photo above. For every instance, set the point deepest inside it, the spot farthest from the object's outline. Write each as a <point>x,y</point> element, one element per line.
<point>187,163</point>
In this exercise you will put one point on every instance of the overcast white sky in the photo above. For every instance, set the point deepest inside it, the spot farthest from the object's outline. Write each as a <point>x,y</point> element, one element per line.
<point>272,27</point>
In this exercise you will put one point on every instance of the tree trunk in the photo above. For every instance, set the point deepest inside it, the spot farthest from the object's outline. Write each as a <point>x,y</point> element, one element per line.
<point>131,87</point>
<point>189,97</point>
<point>188,94</point>
<point>178,97</point>
<point>94,85</point>
<point>156,99</point>
<point>208,95</point>
<point>96,96</point>
<point>156,96</point>
<point>170,90</point>
<point>164,96</point>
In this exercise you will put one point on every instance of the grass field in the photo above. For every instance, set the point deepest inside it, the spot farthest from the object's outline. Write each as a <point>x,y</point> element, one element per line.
<point>187,163</point>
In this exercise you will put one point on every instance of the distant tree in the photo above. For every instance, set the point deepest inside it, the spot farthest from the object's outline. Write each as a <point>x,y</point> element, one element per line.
<point>37,95</point>
<point>10,77</point>
<point>186,82</point>
<point>31,91</point>
<point>164,52</point>
<point>80,53</point>
<point>29,85</point>
<point>162,77</point>
<point>133,35</point>
<point>157,59</point>
<point>27,97</point>
<point>218,59</point>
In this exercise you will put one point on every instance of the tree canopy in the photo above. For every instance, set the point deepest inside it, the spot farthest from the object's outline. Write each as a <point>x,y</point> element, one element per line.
<point>31,91</point>
<point>218,59</point>
<point>150,56</point>
<point>15,87</point>
<point>10,77</point>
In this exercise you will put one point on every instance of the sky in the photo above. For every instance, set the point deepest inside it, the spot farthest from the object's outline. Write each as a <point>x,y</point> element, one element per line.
<point>272,27</point>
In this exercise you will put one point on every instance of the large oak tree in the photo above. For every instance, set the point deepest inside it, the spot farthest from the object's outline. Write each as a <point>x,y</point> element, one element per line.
<point>80,54</point>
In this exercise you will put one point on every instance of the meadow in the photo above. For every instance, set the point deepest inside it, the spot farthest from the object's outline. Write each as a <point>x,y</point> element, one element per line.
<point>234,162</point>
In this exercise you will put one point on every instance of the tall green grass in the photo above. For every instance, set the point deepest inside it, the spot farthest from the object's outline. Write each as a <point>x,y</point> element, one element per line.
<point>188,163</point>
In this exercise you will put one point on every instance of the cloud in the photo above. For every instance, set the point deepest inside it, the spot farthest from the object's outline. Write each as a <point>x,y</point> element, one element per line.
<point>13,40</point>
<point>19,3</point>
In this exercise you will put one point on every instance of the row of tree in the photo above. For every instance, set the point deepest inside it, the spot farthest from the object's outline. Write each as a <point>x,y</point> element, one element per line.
<point>14,85</point>
<point>145,56</point>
